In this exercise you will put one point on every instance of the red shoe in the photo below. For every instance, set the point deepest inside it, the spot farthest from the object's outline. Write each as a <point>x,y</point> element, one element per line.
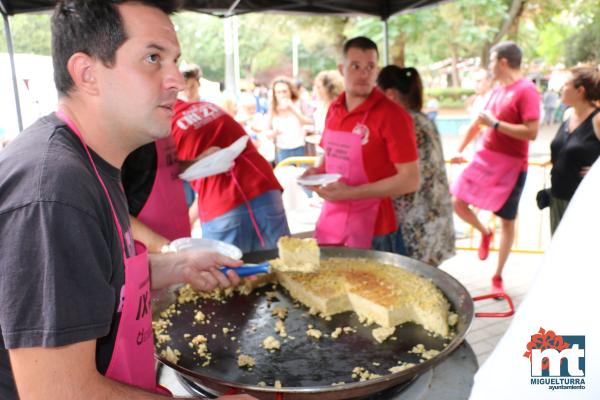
<point>484,246</point>
<point>497,286</point>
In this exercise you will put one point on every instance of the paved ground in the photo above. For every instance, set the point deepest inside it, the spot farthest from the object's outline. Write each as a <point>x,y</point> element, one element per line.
<point>476,275</point>
<point>520,268</point>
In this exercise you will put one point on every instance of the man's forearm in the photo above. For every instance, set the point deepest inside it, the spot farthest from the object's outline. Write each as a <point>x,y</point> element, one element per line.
<point>110,389</point>
<point>527,131</point>
<point>141,232</point>
<point>474,129</point>
<point>67,373</point>
<point>165,269</point>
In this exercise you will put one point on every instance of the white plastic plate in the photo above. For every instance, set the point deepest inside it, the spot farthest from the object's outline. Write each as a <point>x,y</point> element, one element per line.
<point>188,243</point>
<point>216,163</point>
<point>318,179</point>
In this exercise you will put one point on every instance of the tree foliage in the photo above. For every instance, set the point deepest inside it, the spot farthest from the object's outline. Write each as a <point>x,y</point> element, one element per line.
<point>30,33</point>
<point>584,44</point>
<point>550,32</point>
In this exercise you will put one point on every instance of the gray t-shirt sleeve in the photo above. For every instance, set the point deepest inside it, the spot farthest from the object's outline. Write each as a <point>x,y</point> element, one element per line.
<point>55,274</point>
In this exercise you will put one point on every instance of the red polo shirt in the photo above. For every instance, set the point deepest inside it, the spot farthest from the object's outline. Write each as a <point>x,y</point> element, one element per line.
<point>199,125</point>
<point>391,141</point>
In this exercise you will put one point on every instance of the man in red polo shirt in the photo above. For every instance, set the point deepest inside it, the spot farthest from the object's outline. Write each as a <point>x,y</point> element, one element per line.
<point>370,141</point>
<point>242,206</point>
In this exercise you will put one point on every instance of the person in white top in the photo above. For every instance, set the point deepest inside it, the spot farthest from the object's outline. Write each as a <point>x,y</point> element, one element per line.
<point>475,104</point>
<point>328,86</point>
<point>285,121</point>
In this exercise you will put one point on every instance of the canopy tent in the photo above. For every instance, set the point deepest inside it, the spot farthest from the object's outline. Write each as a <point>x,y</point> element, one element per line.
<point>379,8</point>
<point>225,8</point>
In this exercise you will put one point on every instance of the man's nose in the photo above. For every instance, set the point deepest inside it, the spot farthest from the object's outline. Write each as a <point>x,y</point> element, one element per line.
<point>364,72</point>
<point>174,78</point>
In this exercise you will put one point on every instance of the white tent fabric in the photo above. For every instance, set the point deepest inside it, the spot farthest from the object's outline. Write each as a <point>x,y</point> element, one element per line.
<point>563,298</point>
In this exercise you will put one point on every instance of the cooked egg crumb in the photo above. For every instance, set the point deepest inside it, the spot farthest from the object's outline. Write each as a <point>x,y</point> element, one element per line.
<point>400,368</point>
<point>452,319</point>
<point>270,343</point>
<point>161,339</point>
<point>336,333</point>
<point>246,361</point>
<point>315,333</point>
<point>171,355</point>
<point>280,328</point>
<point>362,374</point>
<point>382,333</point>
<point>280,312</point>
<point>429,354</point>
<point>199,316</point>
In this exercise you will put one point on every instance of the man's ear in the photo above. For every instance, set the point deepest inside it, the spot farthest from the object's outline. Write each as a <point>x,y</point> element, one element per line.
<point>82,69</point>
<point>341,68</point>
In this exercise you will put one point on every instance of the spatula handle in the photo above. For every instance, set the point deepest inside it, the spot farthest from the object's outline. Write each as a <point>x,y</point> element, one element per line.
<point>248,270</point>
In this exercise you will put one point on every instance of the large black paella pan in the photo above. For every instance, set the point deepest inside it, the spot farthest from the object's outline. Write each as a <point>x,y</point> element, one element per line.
<point>306,368</point>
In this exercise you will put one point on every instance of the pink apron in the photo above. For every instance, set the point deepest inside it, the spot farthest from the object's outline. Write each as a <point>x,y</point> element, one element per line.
<point>488,180</point>
<point>132,361</point>
<point>348,223</point>
<point>167,197</point>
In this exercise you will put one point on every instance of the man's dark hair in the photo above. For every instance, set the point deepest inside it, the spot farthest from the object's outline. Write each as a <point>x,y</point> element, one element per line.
<point>360,42</point>
<point>407,81</point>
<point>509,51</point>
<point>93,27</point>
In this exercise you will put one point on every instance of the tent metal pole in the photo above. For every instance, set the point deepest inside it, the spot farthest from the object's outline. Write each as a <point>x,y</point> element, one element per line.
<point>11,54</point>
<point>386,43</point>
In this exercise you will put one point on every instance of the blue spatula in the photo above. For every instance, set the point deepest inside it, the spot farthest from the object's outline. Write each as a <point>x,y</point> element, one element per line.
<point>249,269</point>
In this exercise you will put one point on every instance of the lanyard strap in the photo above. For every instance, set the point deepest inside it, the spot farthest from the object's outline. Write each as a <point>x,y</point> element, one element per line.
<point>63,116</point>
<point>248,206</point>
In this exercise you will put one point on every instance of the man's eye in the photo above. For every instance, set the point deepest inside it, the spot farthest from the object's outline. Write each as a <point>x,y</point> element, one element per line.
<point>152,58</point>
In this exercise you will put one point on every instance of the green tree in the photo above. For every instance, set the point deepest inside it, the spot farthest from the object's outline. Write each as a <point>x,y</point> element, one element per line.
<point>584,45</point>
<point>202,42</point>
<point>30,34</point>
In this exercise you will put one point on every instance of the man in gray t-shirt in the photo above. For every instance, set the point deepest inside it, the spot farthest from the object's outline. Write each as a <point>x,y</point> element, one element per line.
<point>55,216</point>
<point>62,273</point>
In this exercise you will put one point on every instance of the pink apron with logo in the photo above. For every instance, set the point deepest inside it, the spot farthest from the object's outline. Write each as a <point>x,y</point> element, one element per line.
<point>348,223</point>
<point>132,361</point>
<point>488,180</point>
<point>166,211</point>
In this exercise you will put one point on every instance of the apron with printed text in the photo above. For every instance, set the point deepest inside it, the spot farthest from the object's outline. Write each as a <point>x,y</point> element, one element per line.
<point>132,360</point>
<point>167,197</point>
<point>349,223</point>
